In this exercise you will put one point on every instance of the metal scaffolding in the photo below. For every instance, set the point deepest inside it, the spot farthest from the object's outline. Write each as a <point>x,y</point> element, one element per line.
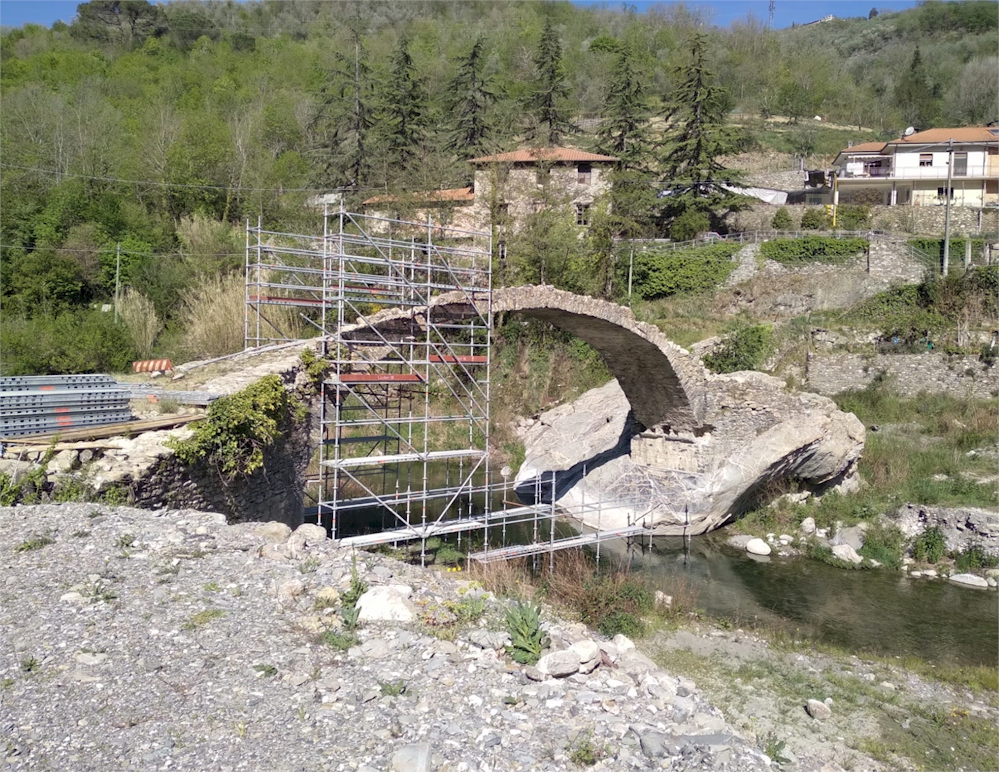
<point>405,314</point>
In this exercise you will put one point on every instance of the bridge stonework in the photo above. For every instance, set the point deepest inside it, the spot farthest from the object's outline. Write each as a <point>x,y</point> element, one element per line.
<point>665,384</point>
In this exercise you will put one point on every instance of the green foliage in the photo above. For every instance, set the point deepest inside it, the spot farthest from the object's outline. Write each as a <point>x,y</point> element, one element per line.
<point>82,341</point>
<point>448,555</point>
<point>358,586</point>
<point>781,221</point>
<point>238,428</point>
<point>526,636</point>
<point>339,641</point>
<point>585,753</point>
<point>974,557</point>
<point>745,347</point>
<point>663,273</point>
<point>773,747</point>
<point>468,609</point>
<point>548,102</point>
<point>392,689</point>
<point>884,543</point>
<point>266,670</point>
<point>203,618</point>
<point>615,603</point>
<point>853,217</point>
<point>815,220</point>
<point>34,543</point>
<point>688,225</point>
<point>930,546</point>
<point>812,249</point>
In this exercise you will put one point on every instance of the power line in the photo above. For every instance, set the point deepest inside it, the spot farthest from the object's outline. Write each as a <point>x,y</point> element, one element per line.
<point>177,253</point>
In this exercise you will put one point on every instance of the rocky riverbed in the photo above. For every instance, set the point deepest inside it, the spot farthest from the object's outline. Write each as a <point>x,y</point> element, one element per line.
<point>157,640</point>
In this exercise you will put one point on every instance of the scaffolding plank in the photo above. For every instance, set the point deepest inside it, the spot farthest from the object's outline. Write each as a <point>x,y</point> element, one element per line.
<point>416,532</point>
<point>472,359</point>
<point>430,456</point>
<point>536,548</point>
<point>377,378</point>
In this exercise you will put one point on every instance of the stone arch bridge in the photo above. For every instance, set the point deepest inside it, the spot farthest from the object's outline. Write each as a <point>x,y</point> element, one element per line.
<point>664,384</point>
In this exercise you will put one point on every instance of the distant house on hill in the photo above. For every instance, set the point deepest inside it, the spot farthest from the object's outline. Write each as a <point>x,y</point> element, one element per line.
<point>914,169</point>
<point>509,186</point>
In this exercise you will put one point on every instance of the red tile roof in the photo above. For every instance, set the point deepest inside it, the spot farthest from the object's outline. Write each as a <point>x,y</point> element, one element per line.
<point>531,155</point>
<point>966,134</point>
<point>865,147</point>
<point>449,194</point>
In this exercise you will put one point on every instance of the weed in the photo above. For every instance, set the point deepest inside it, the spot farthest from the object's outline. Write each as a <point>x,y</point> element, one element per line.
<point>527,638</point>
<point>973,557</point>
<point>96,591</point>
<point>586,753</point>
<point>468,609</point>
<point>310,565</point>
<point>81,533</point>
<point>448,555</point>
<point>7,682</point>
<point>512,700</point>
<point>72,490</point>
<point>125,541</point>
<point>884,543</point>
<point>115,496</point>
<point>199,619</point>
<point>339,641</point>
<point>392,689</point>
<point>350,617</point>
<point>358,586</point>
<point>774,748</point>
<point>34,543</point>
<point>240,728</point>
<point>266,670</point>
<point>30,664</point>
<point>211,587</point>
<point>929,546</point>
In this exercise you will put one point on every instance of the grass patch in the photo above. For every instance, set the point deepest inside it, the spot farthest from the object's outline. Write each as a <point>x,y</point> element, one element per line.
<point>200,619</point>
<point>266,670</point>
<point>34,543</point>
<point>339,641</point>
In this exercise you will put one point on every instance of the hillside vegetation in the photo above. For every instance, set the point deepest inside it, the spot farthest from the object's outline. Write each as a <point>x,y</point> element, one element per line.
<point>136,143</point>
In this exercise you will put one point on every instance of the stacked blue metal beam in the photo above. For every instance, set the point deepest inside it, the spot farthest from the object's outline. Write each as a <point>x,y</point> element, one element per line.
<point>34,405</point>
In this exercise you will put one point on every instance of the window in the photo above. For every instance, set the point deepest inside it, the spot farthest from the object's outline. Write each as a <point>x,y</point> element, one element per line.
<point>926,159</point>
<point>942,192</point>
<point>583,173</point>
<point>583,214</point>
<point>961,161</point>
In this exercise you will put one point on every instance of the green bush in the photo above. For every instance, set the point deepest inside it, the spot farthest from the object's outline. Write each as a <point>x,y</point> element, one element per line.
<point>74,342</point>
<point>238,428</point>
<point>815,220</point>
<point>853,217</point>
<point>615,603</point>
<point>884,543</point>
<point>662,273</point>
<point>929,546</point>
<point>781,221</point>
<point>973,557</point>
<point>526,635</point>
<point>744,347</point>
<point>812,249</point>
<point>688,225</point>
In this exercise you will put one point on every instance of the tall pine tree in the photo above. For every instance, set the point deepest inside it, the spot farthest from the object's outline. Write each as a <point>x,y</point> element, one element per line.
<point>624,130</point>
<point>694,139</point>
<point>405,107</point>
<point>914,95</point>
<point>470,96</point>
<point>548,103</point>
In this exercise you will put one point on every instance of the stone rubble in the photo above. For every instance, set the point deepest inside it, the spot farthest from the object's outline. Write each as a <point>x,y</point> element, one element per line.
<point>169,639</point>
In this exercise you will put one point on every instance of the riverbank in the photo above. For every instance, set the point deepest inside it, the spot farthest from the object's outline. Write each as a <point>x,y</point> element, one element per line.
<point>171,640</point>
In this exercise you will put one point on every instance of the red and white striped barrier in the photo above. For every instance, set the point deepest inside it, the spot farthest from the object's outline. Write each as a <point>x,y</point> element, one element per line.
<point>149,366</point>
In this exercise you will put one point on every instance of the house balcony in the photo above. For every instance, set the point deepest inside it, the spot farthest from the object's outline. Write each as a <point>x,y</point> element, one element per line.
<point>978,171</point>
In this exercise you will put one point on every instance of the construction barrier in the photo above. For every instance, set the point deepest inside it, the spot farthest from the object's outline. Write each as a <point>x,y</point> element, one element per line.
<point>152,366</point>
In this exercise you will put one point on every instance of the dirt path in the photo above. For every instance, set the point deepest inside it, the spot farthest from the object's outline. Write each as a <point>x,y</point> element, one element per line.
<point>882,716</point>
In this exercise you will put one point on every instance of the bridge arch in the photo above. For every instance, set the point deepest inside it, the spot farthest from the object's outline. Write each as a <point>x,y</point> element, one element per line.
<point>665,384</point>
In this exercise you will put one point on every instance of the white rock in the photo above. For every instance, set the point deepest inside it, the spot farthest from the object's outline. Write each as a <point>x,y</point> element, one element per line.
<point>623,643</point>
<point>818,709</point>
<point>387,602</point>
<point>808,526</point>
<point>560,663</point>
<point>846,553</point>
<point>273,532</point>
<point>413,758</point>
<point>290,590</point>
<point>308,534</point>
<point>969,579</point>
<point>758,547</point>
<point>589,655</point>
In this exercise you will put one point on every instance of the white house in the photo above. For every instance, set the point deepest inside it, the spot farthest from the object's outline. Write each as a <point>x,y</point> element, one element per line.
<point>914,169</point>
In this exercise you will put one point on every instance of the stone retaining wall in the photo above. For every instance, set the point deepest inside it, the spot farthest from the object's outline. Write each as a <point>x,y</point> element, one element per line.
<point>929,221</point>
<point>911,374</point>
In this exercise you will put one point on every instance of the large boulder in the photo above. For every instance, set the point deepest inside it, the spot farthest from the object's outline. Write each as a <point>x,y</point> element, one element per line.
<point>962,527</point>
<point>386,603</point>
<point>755,433</point>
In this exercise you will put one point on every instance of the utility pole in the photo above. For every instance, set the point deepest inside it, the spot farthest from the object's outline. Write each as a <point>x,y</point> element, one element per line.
<point>947,209</point>
<point>118,271</point>
<point>770,15</point>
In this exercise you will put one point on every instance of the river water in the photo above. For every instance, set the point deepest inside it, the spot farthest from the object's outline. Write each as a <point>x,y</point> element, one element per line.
<point>871,611</point>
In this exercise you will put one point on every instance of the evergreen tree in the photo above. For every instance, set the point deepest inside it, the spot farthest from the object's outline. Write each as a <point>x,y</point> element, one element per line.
<point>695,138</point>
<point>405,107</point>
<point>548,101</point>
<point>345,113</point>
<point>914,95</point>
<point>470,98</point>
<point>624,130</point>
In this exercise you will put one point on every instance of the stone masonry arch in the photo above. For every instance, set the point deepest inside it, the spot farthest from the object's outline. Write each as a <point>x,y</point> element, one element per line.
<point>665,385</point>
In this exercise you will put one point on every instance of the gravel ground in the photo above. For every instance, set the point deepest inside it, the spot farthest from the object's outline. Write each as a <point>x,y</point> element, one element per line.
<point>164,640</point>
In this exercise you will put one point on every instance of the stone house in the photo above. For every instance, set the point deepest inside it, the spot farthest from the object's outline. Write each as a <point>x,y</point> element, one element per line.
<point>914,169</point>
<point>509,186</point>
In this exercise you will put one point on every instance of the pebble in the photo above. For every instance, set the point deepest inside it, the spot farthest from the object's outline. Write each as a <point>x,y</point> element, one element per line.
<point>221,654</point>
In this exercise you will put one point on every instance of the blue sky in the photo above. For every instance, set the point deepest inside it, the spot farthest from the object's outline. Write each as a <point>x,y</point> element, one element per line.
<point>14,13</point>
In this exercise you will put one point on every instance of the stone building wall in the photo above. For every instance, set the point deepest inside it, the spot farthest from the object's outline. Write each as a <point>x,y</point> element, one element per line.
<point>911,374</point>
<point>926,221</point>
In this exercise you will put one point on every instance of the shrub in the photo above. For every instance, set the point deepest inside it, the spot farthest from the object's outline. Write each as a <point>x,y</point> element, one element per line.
<point>929,546</point>
<point>745,347</point>
<point>74,342</point>
<point>688,225</point>
<point>781,221</point>
<point>238,428</point>
<point>853,217</point>
<point>658,274</point>
<point>812,249</point>
<point>614,603</point>
<point>884,543</point>
<point>526,636</point>
<point>139,316</point>
<point>213,316</point>
<point>973,557</point>
<point>815,220</point>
